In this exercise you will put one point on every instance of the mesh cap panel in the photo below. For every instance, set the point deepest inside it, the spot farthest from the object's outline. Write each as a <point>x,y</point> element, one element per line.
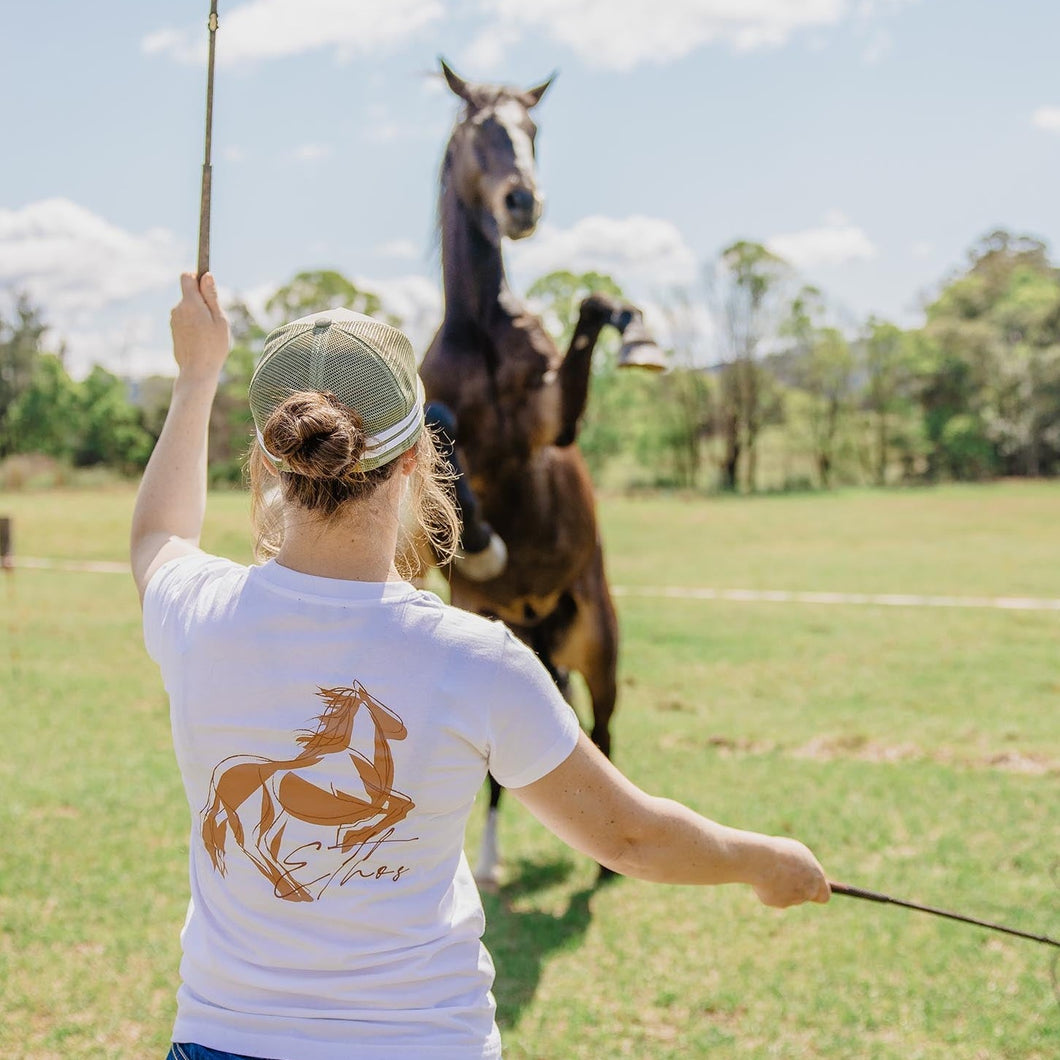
<point>368,365</point>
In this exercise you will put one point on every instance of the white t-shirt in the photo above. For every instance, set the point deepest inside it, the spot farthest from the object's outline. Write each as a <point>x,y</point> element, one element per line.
<point>332,736</point>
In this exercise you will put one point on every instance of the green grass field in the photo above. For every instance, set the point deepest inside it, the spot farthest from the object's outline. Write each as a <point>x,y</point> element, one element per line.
<point>917,750</point>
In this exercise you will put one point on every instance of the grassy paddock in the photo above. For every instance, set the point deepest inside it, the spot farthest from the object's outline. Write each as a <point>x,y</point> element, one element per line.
<point>918,751</point>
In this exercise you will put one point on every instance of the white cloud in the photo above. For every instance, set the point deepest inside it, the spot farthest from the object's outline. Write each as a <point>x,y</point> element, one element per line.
<point>609,34</point>
<point>312,152</point>
<point>134,346</point>
<point>385,132</point>
<point>90,278</point>
<point>622,34</point>
<point>415,300</point>
<point>269,29</point>
<point>837,242</point>
<point>254,298</point>
<point>870,8</point>
<point>640,253</point>
<point>71,260</point>
<point>879,45</point>
<point>1047,118</point>
<point>106,292</point>
<point>487,49</point>
<point>399,249</point>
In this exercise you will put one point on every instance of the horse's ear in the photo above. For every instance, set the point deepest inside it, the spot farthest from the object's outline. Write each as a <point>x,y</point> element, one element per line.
<point>533,96</point>
<point>455,81</point>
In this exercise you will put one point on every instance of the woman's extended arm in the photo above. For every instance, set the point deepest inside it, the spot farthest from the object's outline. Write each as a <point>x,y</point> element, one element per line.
<point>591,806</point>
<point>171,502</point>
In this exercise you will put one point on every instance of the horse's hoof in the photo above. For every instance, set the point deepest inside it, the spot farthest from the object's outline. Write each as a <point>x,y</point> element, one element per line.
<point>483,565</point>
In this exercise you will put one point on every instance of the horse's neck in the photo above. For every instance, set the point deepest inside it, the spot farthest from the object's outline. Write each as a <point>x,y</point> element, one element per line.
<point>475,286</point>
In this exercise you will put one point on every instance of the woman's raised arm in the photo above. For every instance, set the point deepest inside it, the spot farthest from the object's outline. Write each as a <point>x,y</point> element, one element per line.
<point>171,501</point>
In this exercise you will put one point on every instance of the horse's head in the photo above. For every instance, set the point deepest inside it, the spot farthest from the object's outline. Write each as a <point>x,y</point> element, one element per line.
<point>490,158</point>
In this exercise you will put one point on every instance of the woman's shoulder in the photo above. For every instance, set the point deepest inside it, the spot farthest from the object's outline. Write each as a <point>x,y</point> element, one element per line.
<point>194,569</point>
<point>454,624</point>
<point>192,577</point>
<point>184,593</point>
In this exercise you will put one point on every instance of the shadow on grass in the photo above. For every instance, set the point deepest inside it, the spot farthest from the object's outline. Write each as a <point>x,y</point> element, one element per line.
<point>520,940</point>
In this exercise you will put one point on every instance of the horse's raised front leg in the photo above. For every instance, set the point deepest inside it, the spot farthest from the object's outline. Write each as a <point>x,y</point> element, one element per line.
<point>574,372</point>
<point>595,312</point>
<point>483,555</point>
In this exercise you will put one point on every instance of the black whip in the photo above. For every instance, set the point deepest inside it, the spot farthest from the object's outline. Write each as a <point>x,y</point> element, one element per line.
<point>875,896</point>
<point>204,202</point>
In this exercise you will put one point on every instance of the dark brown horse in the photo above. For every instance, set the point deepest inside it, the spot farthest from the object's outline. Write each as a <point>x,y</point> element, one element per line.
<point>509,404</point>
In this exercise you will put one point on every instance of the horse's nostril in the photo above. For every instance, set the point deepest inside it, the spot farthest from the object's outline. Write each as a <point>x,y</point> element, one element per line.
<point>519,200</point>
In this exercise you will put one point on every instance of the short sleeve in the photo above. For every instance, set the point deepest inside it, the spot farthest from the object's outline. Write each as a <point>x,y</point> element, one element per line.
<point>533,728</point>
<point>170,601</point>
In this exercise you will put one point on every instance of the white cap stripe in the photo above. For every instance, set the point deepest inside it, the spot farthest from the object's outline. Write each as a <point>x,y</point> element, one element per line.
<point>402,429</point>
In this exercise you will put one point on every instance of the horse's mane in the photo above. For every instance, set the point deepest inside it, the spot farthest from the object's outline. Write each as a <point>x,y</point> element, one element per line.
<point>335,722</point>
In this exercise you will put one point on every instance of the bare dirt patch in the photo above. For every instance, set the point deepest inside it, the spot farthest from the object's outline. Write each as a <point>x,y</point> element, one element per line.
<point>862,749</point>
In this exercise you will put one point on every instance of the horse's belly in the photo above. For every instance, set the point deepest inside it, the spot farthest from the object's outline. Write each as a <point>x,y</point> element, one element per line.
<point>319,805</point>
<point>514,610</point>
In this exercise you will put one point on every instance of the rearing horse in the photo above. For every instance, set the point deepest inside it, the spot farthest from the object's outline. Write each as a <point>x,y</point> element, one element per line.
<point>507,404</point>
<point>318,816</point>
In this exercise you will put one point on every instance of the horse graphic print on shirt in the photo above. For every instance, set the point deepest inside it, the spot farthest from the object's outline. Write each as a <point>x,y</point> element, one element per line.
<point>319,817</point>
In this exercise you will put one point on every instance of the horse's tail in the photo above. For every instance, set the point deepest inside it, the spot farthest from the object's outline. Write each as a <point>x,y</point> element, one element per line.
<point>214,830</point>
<point>232,783</point>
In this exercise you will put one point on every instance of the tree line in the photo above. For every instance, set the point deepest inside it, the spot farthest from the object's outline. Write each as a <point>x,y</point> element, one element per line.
<point>783,392</point>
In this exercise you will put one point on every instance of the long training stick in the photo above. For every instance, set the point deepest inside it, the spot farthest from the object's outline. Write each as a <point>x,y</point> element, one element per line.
<point>875,896</point>
<point>204,202</point>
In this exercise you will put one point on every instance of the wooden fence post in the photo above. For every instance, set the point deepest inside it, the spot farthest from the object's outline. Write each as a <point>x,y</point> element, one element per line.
<point>7,544</point>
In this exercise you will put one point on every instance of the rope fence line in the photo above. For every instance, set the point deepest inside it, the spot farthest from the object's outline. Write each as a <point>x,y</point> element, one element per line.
<point>91,566</point>
<point>672,592</point>
<point>781,596</point>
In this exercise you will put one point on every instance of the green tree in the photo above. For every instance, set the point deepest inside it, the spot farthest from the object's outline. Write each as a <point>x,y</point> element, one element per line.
<point>682,406</point>
<point>683,400</point>
<point>315,290</point>
<point>888,382</point>
<point>828,373</point>
<point>20,346</point>
<point>231,425</point>
<point>822,367</point>
<point>110,427</point>
<point>745,289</point>
<point>991,363</point>
<point>44,417</point>
<point>1023,406</point>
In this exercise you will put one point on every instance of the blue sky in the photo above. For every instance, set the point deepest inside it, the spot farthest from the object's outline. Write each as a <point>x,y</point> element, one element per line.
<point>869,141</point>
